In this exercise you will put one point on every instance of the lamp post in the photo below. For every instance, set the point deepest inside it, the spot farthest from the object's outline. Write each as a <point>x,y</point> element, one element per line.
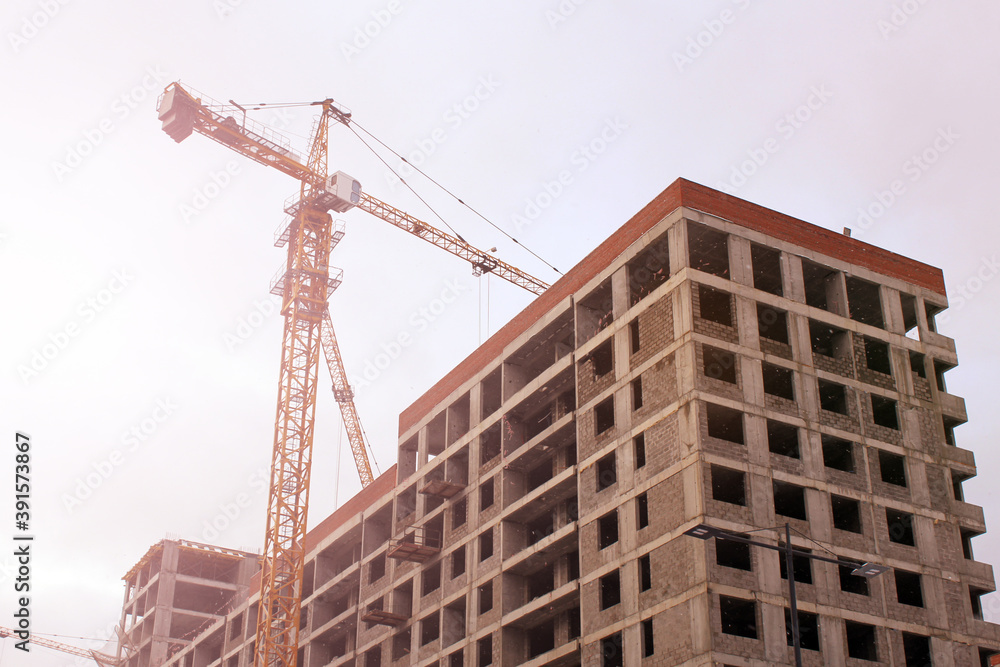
<point>867,570</point>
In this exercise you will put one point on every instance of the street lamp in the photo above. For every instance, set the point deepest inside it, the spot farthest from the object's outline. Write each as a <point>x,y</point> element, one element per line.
<point>867,570</point>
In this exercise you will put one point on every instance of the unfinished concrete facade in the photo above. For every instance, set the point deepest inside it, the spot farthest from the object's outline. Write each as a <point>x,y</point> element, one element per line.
<point>177,590</point>
<point>711,362</point>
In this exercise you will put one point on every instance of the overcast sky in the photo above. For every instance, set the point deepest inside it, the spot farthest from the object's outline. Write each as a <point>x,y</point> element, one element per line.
<point>140,346</point>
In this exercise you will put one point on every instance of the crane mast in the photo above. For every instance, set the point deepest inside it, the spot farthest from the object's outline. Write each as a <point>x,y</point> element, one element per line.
<point>304,287</point>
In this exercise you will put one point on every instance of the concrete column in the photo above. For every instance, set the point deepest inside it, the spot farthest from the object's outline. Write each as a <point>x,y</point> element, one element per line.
<point>677,237</point>
<point>792,284</point>
<point>740,261</point>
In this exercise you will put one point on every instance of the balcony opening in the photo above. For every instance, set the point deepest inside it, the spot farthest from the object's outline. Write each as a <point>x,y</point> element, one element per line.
<point>541,583</point>
<point>573,618</point>
<point>772,324</point>
<point>976,599</point>
<point>940,368</point>
<point>778,381</point>
<point>604,415</point>
<point>783,439</point>
<point>833,397</point>
<point>604,359</point>
<point>892,468</point>
<point>739,616</point>
<point>729,486</point>
<point>829,341</point>
<point>541,638</point>
<point>401,645</point>
<point>861,641</point>
<point>766,264</point>
<point>453,622</point>
<point>373,657</point>
<point>789,500</point>
<point>852,583</point>
<point>733,554</point>
<point>931,311</point>
<point>957,478</point>
<point>612,654</point>
<point>645,573</point>
<point>949,424</point>
<point>431,579</point>
<point>490,444</point>
<point>908,588</point>
<point>484,647</point>
<point>539,475</point>
<point>715,305</point>
<point>884,412</point>
<point>594,313</point>
<point>808,629</point>
<point>460,512</point>
<point>457,659</point>
<point>822,286</point>
<point>966,536</point>
<point>724,423</point>
<point>865,302</point>
<point>877,357</point>
<point>801,566</point>
<point>917,364</point>
<point>846,514</point>
<point>708,250</point>
<point>486,597</point>
<point>637,393</point>
<point>486,494</point>
<point>491,390</point>
<point>648,647</point>
<point>900,527</point>
<point>376,568</point>
<point>458,562</point>
<point>611,590</point>
<point>639,444</point>
<point>486,544</point>
<point>633,336</point>
<point>642,510</point>
<point>649,269</point>
<point>719,364</point>
<point>917,649</point>
<point>607,529</point>
<point>573,566</point>
<point>838,453</point>
<point>908,304</point>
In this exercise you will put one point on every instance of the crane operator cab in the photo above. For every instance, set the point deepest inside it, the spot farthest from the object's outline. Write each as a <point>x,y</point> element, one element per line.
<point>341,193</point>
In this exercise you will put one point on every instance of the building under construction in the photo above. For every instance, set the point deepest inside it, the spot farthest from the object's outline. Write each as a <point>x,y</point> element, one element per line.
<point>712,362</point>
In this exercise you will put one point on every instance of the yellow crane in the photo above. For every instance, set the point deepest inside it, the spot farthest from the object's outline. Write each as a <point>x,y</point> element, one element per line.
<point>304,286</point>
<point>102,659</point>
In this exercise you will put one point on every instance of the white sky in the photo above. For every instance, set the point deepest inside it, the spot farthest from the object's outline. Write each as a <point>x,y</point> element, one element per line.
<point>93,194</point>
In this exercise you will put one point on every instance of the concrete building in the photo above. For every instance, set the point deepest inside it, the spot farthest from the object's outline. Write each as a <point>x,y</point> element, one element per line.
<point>175,591</point>
<point>713,362</point>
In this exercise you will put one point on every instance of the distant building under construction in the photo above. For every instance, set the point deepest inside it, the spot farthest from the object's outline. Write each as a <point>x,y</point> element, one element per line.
<point>712,362</point>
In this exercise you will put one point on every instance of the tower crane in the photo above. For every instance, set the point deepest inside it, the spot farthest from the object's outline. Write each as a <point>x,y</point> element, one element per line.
<point>304,285</point>
<point>102,659</point>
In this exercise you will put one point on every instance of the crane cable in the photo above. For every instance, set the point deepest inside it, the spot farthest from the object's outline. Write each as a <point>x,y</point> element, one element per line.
<point>456,197</point>
<point>408,186</point>
<point>261,105</point>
